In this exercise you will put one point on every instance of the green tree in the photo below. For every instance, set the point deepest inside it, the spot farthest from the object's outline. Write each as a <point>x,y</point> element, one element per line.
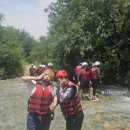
<point>10,54</point>
<point>92,30</point>
<point>28,42</point>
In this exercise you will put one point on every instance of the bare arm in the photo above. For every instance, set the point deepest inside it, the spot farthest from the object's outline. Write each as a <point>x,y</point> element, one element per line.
<point>54,104</point>
<point>32,77</point>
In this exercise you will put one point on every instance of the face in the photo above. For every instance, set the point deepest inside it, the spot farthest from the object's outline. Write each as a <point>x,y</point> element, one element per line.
<point>61,80</point>
<point>46,77</point>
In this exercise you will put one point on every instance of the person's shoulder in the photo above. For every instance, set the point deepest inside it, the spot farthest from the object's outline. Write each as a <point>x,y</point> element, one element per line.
<point>71,85</point>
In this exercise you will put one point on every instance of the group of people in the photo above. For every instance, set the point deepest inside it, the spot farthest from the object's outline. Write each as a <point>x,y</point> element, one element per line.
<point>36,71</point>
<point>87,79</point>
<point>46,95</point>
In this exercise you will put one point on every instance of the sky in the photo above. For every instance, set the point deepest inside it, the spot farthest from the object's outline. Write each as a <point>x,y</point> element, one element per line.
<point>26,14</point>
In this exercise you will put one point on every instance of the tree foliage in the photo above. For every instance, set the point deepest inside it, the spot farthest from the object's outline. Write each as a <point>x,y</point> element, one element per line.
<point>89,30</point>
<point>84,30</point>
<point>10,54</point>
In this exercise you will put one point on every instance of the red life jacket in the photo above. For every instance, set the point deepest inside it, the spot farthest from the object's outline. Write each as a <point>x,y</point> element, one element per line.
<point>40,101</point>
<point>40,71</point>
<point>77,69</point>
<point>93,73</point>
<point>84,75</point>
<point>33,71</point>
<point>71,106</point>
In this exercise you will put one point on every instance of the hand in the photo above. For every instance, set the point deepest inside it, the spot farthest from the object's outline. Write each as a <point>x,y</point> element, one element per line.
<point>90,83</point>
<point>73,78</point>
<point>52,107</point>
<point>63,82</point>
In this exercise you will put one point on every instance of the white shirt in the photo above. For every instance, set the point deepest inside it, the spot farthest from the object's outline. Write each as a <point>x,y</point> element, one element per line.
<point>31,85</point>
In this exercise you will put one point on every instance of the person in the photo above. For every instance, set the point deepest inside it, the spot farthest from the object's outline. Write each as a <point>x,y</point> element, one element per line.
<point>91,96</point>
<point>42,101</point>
<point>83,80</point>
<point>69,101</point>
<point>95,76</point>
<point>40,70</point>
<point>44,67</point>
<point>50,66</point>
<point>32,70</point>
<point>77,69</point>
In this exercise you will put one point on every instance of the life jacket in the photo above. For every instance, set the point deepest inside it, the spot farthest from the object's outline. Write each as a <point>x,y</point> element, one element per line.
<point>93,73</point>
<point>84,75</point>
<point>77,69</point>
<point>40,101</point>
<point>71,106</point>
<point>40,71</point>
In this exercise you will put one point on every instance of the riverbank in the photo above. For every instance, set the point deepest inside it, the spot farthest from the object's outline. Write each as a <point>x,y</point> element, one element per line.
<point>111,112</point>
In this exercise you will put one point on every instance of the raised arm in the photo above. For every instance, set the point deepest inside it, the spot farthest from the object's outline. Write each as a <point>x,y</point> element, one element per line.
<point>33,77</point>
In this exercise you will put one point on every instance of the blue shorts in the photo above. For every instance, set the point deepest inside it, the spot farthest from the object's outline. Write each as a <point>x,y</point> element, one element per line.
<point>36,122</point>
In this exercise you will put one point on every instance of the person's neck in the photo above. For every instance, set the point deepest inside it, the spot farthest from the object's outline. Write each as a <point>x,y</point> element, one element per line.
<point>46,82</point>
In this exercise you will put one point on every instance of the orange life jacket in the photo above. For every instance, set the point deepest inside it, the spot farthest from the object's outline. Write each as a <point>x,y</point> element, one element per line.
<point>40,101</point>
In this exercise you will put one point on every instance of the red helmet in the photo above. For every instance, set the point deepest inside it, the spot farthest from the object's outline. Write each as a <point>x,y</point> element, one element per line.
<point>61,73</point>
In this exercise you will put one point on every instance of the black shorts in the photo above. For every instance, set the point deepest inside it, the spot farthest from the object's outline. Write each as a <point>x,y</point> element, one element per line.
<point>84,85</point>
<point>74,122</point>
